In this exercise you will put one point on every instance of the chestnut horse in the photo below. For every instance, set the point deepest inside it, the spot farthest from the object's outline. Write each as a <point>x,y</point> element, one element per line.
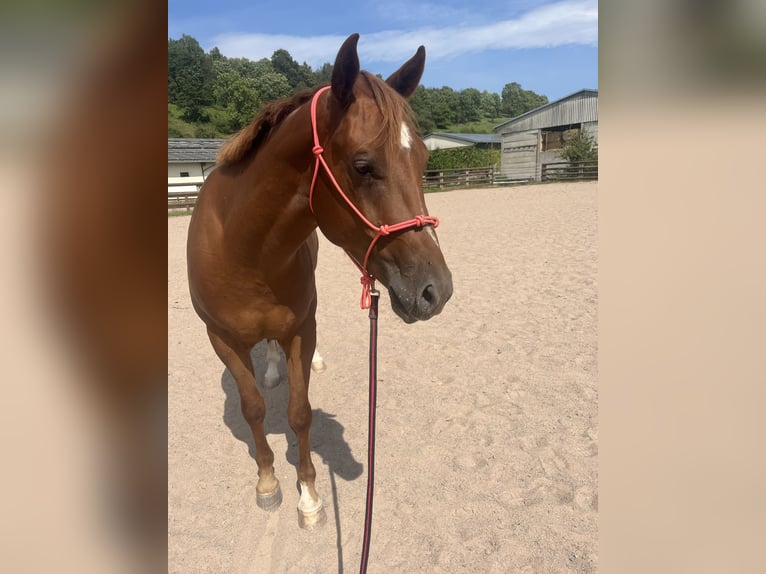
<point>252,244</point>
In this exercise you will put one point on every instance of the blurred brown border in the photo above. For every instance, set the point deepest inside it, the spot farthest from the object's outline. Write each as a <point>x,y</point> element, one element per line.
<point>681,288</point>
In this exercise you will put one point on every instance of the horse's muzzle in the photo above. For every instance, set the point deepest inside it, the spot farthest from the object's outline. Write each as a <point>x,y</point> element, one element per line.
<point>421,302</point>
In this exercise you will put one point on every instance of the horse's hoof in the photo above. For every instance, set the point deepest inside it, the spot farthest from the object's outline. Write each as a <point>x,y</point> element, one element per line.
<point>269,501</point>
<point>312,520</point>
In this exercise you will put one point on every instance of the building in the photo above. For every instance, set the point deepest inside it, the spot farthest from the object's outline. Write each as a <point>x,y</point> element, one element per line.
<point>191,157</point>
<point>444,141</point>
<point>537,136</point>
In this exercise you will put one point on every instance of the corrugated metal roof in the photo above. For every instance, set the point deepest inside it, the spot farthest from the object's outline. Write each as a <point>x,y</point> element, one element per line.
<point>468,138</point>
<point>193,149</point>
<point>582,106</point>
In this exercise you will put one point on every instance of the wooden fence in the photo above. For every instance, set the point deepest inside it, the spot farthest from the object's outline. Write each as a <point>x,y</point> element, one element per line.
<point>570,171</point>
<point>183,198</point>
<point>467,177</point>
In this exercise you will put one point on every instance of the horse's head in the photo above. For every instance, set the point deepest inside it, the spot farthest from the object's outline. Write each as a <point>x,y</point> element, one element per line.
<point>372,148</point>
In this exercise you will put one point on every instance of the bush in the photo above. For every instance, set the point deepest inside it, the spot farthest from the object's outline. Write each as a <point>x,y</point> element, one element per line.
<point>462,157</point>
<point>582,147</point>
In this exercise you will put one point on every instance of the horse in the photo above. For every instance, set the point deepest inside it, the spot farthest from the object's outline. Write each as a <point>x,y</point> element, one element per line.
<point>342,158</point>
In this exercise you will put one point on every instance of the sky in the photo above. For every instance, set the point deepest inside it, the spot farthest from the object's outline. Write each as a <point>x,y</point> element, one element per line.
<point>548,46</point>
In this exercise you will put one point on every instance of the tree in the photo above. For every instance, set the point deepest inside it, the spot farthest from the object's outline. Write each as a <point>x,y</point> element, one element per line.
<point>299,76</point>
<point>215,55</point>
<point>237,95</point>
<point>272,86</point>
<point>190,74</point>
<point>490,104</point>
<point>444,104</point>
<point>469,105</point>
<point>421,107</point>
<point>323,75</point>
<point>516,101</point>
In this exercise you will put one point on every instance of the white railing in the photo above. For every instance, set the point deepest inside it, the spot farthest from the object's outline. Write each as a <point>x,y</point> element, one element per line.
<point>182,192</point>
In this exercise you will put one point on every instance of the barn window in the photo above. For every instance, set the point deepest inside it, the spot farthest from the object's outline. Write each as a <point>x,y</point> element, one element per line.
<point>555,138</point>
<point>184,174</point>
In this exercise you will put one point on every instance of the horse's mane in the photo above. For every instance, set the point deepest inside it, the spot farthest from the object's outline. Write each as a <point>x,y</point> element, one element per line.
<point>394,109</point>
<point>252,135</point>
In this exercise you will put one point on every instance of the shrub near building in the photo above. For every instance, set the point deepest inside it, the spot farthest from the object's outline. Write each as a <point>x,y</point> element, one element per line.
<point>462,157</point>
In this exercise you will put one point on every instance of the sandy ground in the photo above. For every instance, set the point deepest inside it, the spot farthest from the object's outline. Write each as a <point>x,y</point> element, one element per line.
<point>487,444</point>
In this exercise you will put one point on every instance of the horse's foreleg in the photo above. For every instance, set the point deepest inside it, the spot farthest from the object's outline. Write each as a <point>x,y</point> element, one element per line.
<point>240,365</point>
<point>299,350</point>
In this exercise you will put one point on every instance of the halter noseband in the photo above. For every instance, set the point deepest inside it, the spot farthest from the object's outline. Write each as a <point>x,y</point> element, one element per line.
<point>417,222</point>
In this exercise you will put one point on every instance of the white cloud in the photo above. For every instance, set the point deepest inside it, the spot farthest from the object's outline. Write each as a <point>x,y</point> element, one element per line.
<point>556,24</point>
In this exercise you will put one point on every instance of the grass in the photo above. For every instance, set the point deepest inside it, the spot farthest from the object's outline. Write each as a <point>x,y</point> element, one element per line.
<point>180,128</point>
<point>177,127</point>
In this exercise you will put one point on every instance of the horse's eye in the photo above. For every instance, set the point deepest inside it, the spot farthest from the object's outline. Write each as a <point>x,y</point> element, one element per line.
<point>363,167</point>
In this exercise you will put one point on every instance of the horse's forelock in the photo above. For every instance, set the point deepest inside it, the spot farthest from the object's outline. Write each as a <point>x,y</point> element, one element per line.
<point>394,109</point>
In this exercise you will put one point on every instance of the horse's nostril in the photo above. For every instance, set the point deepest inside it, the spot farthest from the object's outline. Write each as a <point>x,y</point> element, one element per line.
<point>429,294</point>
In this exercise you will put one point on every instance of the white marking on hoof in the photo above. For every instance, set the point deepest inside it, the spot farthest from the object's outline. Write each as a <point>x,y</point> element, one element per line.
<point>317,363</point>
<point>405,137</point>
<point>271,379</point>
<point>311,512</point>
<point>308,504</point>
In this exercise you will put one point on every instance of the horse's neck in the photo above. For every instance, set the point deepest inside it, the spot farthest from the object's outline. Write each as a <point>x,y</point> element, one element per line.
<point>272,211</point>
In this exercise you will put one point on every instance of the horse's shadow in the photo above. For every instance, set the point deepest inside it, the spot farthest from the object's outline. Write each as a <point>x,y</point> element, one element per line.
<point>326,432</point>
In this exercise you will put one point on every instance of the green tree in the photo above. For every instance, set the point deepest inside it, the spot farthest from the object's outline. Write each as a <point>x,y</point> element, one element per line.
<point>190,74</point>
<point>516,100</point>
<point>469,106</point>
<point>490,104</point>
<point>444,104</point>
<point>323,75</point>
<point>272,86</point>
<point>236,95</point>
<point>420,102</point>
<point>299,76</point>
<point>215,55</point>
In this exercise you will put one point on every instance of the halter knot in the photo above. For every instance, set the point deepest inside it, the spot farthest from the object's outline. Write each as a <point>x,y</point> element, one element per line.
<point>368,284</point>
<point>420,221</point>
<point>317,149</point>
<point>384,230</point>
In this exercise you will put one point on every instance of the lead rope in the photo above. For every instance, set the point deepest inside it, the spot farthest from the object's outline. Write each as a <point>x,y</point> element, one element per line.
<point>374,294</point>
<point>369,300</point>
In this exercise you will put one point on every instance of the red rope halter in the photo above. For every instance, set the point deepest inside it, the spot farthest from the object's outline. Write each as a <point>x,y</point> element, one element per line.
<point>417,222</point>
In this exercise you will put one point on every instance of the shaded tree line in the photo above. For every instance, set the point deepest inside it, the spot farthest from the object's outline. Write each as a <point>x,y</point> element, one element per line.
<point>226,93</point>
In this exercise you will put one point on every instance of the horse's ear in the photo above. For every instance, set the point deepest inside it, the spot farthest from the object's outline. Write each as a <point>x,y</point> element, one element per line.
<point>345,71</point>
<point>406,79</point>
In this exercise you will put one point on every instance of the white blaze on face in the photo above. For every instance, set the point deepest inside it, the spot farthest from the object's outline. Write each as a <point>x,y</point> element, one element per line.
<point>406,138</point>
